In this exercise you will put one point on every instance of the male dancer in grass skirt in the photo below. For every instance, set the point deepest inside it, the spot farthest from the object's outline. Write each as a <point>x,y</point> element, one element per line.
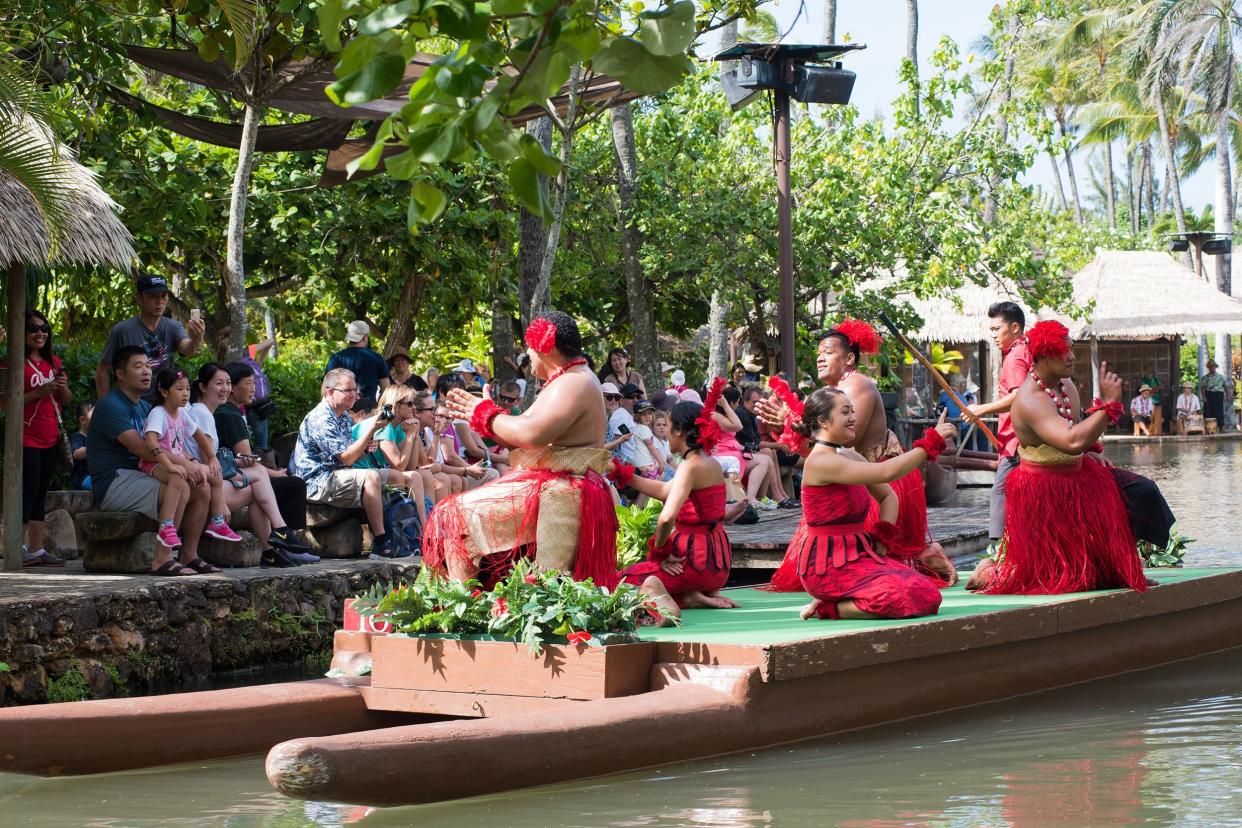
<point>554,506</point>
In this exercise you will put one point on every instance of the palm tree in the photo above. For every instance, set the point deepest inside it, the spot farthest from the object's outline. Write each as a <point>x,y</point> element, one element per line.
<point>1196,38</point>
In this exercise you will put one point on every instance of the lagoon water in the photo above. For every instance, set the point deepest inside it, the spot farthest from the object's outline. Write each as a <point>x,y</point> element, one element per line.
<point>1160,747</point>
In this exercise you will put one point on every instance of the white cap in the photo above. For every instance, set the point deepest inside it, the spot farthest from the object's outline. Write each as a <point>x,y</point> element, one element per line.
<point>465,367</point>
<point>610,388</point>
<point>357,331</point>
<point>678,377</point>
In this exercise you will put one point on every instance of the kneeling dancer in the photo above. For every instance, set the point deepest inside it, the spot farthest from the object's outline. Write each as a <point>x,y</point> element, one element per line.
<point>690,555</point>
<point>1066,528</point>
<point>555,506</point>
<point>841,563</point>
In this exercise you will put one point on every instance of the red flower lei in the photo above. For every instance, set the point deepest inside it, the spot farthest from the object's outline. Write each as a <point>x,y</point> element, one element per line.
<point>932,443</point>
<point>573,363</point>
<point>541,336</point>
<point>1112,409</point>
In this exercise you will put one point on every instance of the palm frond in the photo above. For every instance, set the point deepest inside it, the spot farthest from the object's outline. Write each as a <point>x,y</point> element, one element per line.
<point>762,28</point>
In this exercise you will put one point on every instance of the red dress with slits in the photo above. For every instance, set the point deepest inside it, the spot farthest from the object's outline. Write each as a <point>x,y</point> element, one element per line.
<point>698,537</point>
<point>836,560</point>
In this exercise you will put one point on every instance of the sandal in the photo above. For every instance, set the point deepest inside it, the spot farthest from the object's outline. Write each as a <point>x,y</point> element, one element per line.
<point>172,568</point>
<point>202,567</point>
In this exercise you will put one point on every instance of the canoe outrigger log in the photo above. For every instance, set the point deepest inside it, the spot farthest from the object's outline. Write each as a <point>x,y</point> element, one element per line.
<point>468,717</point>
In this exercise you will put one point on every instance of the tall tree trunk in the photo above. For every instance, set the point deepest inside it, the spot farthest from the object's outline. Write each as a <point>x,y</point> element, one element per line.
<point>541,300</point>
<point>1224,262</point>
<point>269,329</point>
<point>637,288</point>
<point>1002,121</point>
<point>408,305</point>
<point>830,21</point>
<point>1056,178</point>
<point>15,289</point>
<point>1110,187</point>
<point>1170,163</point>
<point>502,320</point>
<point>235,271</point>
<point>532,232</point>
<point>1069,171</point>
<point>1150,175</point>
<point>912,54</point>
<point>719,306</point>
<point>1132,195</point>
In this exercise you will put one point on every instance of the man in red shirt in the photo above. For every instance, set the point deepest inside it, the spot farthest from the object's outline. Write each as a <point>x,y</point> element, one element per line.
<point>1008,329</point>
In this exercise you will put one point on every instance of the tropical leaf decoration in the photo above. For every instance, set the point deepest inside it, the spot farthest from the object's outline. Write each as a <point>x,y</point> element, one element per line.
<point>944,359</point>
<point>635,527</point>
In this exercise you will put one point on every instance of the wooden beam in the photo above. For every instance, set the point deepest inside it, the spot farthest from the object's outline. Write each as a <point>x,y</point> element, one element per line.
<point>13,419</point>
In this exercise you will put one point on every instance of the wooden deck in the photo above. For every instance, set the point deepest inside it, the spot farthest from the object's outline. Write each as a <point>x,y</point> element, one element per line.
<point>962,530</point>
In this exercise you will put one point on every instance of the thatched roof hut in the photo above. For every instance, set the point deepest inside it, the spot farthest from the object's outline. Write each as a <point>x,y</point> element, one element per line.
<point>93,235</point>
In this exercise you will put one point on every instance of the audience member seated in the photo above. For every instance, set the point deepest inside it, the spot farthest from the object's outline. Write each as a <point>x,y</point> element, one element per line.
<point>255,486</point>
<point>399,371</point>
<point>450,453</point>
<point>448,480</point>
<point>619,437</point>
<point>617,370</point>
<point>399,446</point>
<point>159,337</point>
<point>368,367</point>
<point>325,451</point>
<point>677,381</point>
<point>649,459</point>
<point>660,440</point>
<point>467,445</point>
<point>772,493</point>
<point>79,477</point>
<point>1141,411</point>
<point>365,414</point>
<point>1187,404</point>
<point>472,379</point>
<point>115,444</point>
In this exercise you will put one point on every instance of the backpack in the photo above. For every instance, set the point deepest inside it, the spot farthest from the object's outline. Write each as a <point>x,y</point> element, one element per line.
<point>401,524</point>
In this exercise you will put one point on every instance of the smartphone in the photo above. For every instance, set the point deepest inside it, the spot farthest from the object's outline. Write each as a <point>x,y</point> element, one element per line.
<point>196,314</point>
<point>623,428</point>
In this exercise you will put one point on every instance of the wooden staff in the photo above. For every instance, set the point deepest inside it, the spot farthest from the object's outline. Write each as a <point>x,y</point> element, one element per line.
<point>931,369</point>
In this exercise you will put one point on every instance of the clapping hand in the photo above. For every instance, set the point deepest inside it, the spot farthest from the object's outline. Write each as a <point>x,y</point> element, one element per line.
<point>461,403</point>
<point>772,411</point>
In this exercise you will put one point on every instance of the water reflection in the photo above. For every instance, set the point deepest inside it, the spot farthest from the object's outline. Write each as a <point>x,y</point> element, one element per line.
<point>1159,747</point>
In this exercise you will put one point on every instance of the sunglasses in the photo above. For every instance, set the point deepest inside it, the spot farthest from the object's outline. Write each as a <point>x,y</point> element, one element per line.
<point>428,408</point>
<point>47,329</point>
<point>509,400</point>
<point>612,398</point>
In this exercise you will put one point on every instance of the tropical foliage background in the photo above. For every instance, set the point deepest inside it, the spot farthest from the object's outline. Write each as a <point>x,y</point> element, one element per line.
<point>656,215</point>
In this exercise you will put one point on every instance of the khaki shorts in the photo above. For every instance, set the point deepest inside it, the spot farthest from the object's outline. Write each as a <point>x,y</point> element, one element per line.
<point>343,488</point>
<point>133,491</point>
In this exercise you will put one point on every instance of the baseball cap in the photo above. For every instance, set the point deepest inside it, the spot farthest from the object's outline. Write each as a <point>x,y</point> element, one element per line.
<point>152,284</point>
<point>357,331</point>
<point>610,389</point>
<point>631,391</point>
<point>642,405</point>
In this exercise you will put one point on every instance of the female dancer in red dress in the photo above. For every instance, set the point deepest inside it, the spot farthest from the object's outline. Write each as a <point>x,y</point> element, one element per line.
<point>841,564</point>
<point>689,556</point>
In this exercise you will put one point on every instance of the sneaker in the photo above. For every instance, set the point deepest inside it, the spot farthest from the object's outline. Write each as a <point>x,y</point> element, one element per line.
<point>167,536</point>
<point>767,504</point>
<point>302,557</point>
<point>288,540</point>
<point>221,531</point>
<point>276,558</point>
<point>48,558</point>
<point>383,549</point>
<point>30,561</point>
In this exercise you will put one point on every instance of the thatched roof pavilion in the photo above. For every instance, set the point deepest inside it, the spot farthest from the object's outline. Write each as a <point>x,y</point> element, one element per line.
<point>93,236</point>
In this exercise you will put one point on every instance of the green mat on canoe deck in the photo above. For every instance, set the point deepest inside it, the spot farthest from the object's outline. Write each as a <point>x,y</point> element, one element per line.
<point>772,617</point>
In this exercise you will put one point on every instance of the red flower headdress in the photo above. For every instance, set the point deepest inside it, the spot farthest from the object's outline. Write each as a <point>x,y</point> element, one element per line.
<point>709,429</point>
<point>860,334</point>
<point>541,336</point>
<point>789,438</point>
<point>1047,339</point>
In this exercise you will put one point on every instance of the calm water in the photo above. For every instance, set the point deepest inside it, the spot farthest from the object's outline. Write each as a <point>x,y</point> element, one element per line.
<point>1161,747</point>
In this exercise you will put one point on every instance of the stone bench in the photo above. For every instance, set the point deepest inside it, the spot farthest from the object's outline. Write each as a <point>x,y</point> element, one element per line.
<point>125,542</point>
<point>58,533</point>
<point>332,532</point>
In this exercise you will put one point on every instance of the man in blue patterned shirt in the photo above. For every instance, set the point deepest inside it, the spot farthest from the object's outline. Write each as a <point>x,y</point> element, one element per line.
<point>326,450</point>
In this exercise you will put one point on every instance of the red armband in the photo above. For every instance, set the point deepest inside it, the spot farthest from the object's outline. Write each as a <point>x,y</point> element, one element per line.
<point>620,473</point>
<point>481,419</point>
<point>884,533</point>
<point>659,553</point>
<point>1112,409</point>
<point>932,443</point>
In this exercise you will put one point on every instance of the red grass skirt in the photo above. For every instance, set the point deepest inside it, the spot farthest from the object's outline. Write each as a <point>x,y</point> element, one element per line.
<point>708,556</point>
<point>1066,530</point>
<point>837,563</point>
<point>911,531</point>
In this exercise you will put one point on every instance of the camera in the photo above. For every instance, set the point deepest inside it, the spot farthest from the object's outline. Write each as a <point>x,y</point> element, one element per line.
<point>386,413</point>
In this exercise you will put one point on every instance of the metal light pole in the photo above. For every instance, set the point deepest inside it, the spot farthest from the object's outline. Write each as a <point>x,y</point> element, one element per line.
<point>788,70</point>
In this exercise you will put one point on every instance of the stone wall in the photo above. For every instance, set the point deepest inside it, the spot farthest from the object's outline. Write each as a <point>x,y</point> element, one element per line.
<point>113,639</point>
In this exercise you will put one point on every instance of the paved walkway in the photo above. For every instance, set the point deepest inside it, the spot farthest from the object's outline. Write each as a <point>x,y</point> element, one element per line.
<point>74,582</point>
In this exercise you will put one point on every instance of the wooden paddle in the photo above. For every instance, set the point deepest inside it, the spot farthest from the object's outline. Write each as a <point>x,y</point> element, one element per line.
<point>944,385</point>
